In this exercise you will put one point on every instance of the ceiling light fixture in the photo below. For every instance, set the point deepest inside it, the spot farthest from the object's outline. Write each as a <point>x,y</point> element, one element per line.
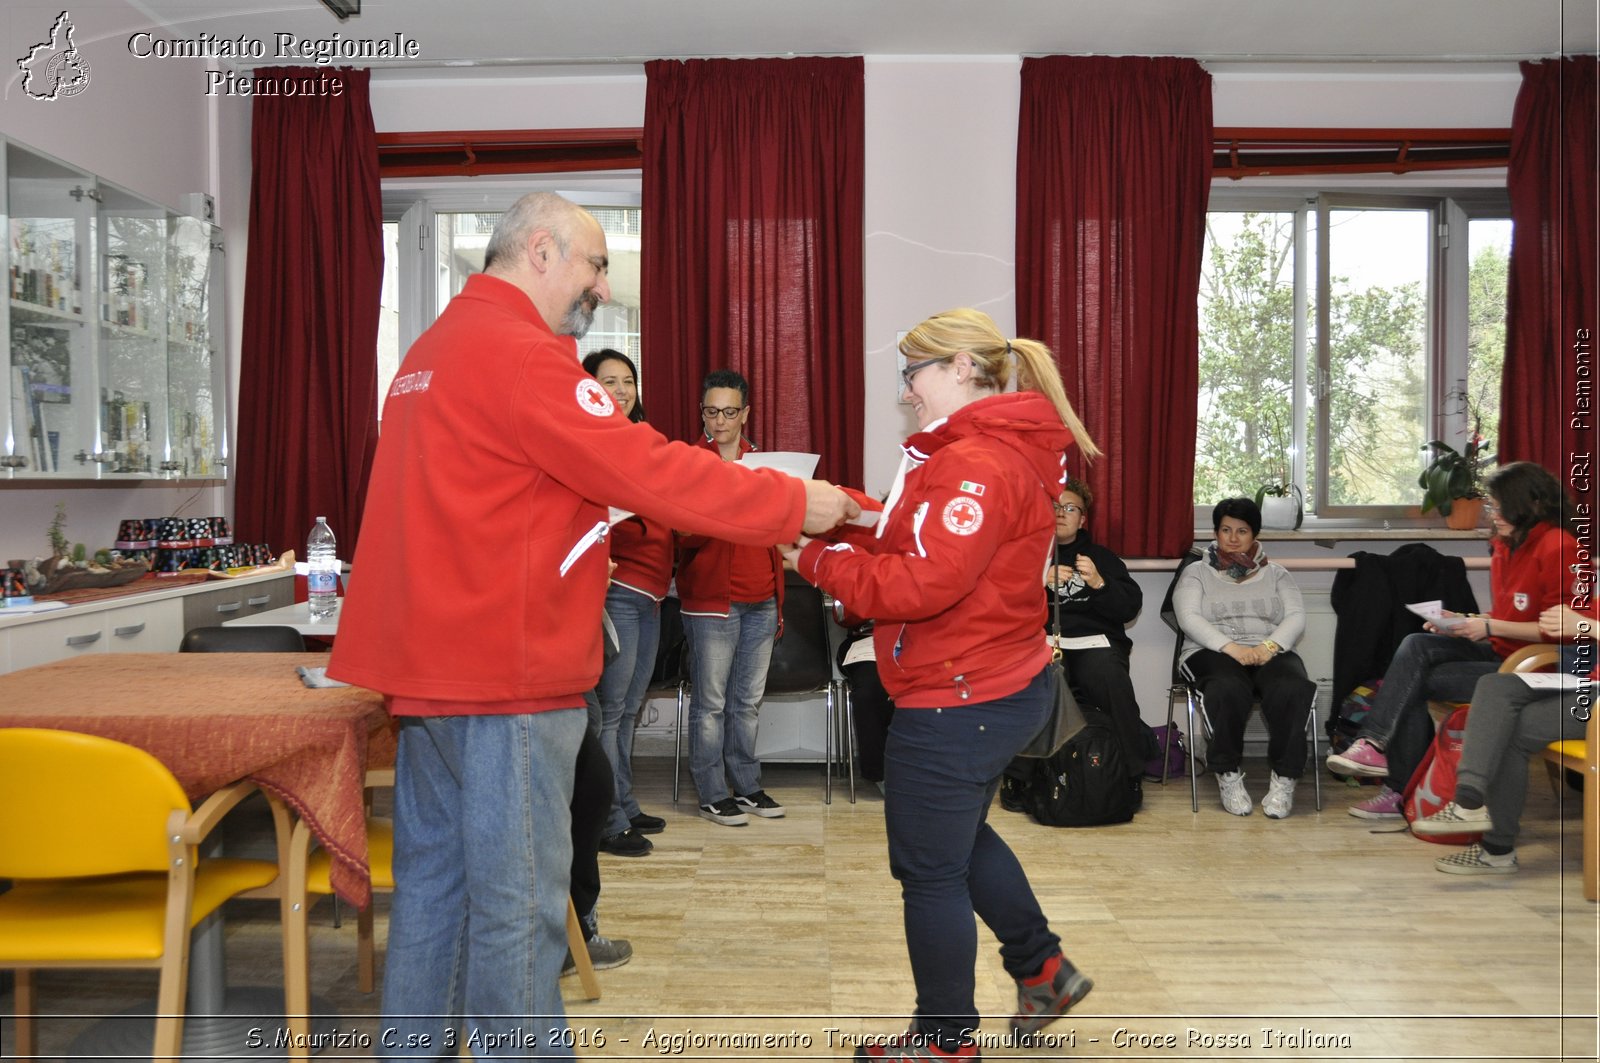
<point>343,9</point>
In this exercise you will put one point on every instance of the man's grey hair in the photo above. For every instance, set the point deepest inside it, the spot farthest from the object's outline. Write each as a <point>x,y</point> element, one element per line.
<point>534,211</point>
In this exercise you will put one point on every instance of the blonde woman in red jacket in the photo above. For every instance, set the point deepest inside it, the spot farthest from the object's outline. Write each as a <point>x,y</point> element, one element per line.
<point>954,582</point>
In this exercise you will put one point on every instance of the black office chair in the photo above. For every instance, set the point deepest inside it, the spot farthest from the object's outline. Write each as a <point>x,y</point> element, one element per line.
<point>802,664</point>
<point>1199,722</point>
<point>244,639</point>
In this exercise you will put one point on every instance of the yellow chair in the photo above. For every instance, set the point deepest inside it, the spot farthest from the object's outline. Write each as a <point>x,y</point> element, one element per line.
<point>308,878</point>
<point>100,843</point>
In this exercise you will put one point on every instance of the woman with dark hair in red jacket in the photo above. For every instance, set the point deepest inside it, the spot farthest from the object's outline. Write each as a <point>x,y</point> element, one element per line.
<point>953,581</point>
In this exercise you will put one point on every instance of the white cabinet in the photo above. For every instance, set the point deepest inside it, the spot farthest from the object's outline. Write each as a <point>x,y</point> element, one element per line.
<point>114,371</point>
<point>148,627</point>
<point>150,621</point>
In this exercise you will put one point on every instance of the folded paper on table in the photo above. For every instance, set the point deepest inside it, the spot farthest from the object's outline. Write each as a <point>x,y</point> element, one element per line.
<point>1434,613</point>
<point>317,678</point>
<point>792,462</point>
<point>13,607</point>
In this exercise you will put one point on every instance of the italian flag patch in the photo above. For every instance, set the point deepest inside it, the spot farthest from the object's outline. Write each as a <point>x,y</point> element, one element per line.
<point>969,488</point>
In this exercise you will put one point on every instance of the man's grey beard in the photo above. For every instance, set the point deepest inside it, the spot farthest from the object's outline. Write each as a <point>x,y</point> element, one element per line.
<point>580,315</point>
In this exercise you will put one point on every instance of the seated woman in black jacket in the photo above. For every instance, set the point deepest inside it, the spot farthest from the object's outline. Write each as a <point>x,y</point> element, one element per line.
<point>1098,599</point>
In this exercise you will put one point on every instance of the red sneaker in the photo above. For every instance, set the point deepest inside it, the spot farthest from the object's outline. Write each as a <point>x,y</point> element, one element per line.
<point>909,1047</point>
<point>1048,995</point>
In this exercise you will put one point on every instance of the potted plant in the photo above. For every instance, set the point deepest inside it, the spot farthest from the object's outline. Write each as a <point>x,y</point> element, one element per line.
<point>1453,481</point>
<point>1282,505</point>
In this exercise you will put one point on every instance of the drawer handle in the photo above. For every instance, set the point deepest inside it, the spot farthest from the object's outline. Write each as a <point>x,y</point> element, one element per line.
<point>83,640</point>
<point>263,600</point>
<point>129,631</point>
<point>228,607</point>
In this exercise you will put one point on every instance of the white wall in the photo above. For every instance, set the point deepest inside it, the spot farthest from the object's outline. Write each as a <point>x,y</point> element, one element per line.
<point>144,125</point>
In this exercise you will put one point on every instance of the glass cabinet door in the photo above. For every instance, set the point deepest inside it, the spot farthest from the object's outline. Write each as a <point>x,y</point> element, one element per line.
<point>195,385</point>
<point>51,403</point>
<point>132,319</point>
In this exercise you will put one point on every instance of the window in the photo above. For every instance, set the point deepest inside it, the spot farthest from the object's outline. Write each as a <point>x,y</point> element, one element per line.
<point>444,245</point>
<point>1338,333</point>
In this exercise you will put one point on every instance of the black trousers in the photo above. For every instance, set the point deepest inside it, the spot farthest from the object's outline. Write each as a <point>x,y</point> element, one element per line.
<point>872,709</point>
<point>592,792</point>
<point>1228,689</point>
<point>1100,678</point>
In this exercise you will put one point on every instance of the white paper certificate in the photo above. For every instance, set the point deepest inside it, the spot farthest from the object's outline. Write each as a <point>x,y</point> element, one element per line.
<point>792,462</point>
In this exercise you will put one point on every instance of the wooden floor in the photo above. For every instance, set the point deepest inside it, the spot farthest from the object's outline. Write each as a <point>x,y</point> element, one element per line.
<point>1312,937</point>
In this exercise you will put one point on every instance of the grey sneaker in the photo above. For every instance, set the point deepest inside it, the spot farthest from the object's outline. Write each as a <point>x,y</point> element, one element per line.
<point>1453,819</point>
<point>1234,798</point>
<point>1279,801</point>
<point>604,954</point>
<point>1474,861</point>
<point>1046,997</point>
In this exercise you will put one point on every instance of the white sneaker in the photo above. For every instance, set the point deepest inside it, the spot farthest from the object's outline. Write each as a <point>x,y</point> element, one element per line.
<point>1234,799</point>
<point>1279,801</point>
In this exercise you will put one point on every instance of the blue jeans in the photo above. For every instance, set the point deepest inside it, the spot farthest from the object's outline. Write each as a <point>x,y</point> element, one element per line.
<point>483,848</point>
<point>728,658</point>
<point>942,767</point>
<point>637,619</point>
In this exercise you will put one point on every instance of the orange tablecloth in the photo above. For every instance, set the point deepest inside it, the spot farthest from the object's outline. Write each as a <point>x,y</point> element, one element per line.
<point>215,718</point>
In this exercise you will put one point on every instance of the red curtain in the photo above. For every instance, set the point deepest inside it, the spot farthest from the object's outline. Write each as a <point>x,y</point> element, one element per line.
<point>752,245</point>
<point>1113,175</point>
<point>308,403</point>
<point>1547,391</point>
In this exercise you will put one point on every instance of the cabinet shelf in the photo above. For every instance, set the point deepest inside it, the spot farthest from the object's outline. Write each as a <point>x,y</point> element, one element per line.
<point>146,382</point>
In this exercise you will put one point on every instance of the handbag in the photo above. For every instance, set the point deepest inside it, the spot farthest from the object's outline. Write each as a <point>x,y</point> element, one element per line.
<point>1066,718</point>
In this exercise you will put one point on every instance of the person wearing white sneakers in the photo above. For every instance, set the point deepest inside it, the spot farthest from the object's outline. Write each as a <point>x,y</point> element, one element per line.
<point>1241,616</point>
<point>1510,721</point>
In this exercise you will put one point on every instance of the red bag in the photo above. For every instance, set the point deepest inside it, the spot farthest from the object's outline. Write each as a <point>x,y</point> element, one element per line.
<point>1433,784</point>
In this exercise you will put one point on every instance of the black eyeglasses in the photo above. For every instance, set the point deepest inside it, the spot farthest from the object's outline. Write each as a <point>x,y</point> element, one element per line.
<point>1067,508</point>
<point>914,368</point>
<point>726,413</point>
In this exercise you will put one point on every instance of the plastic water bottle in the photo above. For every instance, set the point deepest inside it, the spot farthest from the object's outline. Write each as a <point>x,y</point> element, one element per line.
<point>322,571</point>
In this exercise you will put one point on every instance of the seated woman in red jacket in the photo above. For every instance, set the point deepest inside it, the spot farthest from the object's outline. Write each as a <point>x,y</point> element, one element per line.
<point>1527,574</point>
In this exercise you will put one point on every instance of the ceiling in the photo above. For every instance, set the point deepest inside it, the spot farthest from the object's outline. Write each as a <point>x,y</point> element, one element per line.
<point>488,32</point>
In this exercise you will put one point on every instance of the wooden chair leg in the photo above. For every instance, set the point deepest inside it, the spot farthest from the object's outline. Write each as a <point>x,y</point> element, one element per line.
<point>1591,823</point>
<point>580,953</point>
<point>26,1007</point>
<point>366,950</point>
<point>296,945</point>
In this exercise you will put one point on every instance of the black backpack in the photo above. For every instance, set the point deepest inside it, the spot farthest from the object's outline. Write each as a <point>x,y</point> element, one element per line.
<point>1085,783</point>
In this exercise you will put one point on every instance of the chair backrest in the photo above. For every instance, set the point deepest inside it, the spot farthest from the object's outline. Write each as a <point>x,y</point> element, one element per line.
<point>75,804</point>
<point>1534,657</point>
<point>670,650</point>
<point>244,639</point>
<point>802,660</point>
<point>1169,616</point>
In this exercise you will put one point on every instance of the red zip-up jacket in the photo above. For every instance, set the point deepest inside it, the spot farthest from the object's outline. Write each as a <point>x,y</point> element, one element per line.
<point>956,581</point>
<point>705,563</point>
<point>1528,580</point>
<point>642,550</point>
<point>498,458</point>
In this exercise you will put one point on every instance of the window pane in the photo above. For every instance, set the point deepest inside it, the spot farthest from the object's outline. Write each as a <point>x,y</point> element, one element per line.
<point>1245,434</point>
<point>462,239</point>
<point>1489,254</point>
<point>389,313</point>
<point>1377,354</point>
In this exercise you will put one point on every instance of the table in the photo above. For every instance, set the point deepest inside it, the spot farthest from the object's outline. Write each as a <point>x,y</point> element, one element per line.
<point>212,719</point>
<point>297,616</point>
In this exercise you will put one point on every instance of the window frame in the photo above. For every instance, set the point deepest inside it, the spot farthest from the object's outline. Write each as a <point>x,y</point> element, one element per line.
<point>1446,311</point>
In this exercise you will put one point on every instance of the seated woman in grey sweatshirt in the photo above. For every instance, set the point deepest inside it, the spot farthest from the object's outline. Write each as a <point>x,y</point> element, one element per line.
<point>1241,616</point>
